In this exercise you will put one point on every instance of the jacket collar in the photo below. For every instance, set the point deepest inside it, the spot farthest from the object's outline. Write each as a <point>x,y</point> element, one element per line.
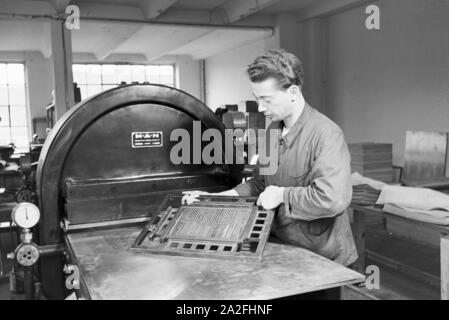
<point>297,127</point>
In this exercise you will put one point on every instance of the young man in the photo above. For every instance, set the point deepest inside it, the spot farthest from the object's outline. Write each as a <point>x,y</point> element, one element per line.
<point>312,186</point>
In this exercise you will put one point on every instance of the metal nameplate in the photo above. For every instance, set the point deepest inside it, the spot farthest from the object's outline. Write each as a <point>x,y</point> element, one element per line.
<point>146,139</point>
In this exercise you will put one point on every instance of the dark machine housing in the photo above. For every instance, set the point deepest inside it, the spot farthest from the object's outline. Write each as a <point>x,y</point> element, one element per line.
<point>106,164</point>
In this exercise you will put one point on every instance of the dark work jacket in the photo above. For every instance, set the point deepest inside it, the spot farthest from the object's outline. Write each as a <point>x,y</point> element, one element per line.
<point>314,167</point>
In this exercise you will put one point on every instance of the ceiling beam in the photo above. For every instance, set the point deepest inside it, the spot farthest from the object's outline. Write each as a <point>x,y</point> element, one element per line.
<point>26,7</point>
<point>103,11</point>
<point>220,41</point>
<point>190,16</point>
<point>175,39</point>
<point>120,36</point>
<point>107,11</point>
<point>239,9</point>
<point>154,8</point>
<point>60,5</point>
<point>327,8</point>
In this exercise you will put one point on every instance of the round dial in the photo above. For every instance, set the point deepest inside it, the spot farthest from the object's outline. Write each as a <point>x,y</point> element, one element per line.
<point>25,215</point>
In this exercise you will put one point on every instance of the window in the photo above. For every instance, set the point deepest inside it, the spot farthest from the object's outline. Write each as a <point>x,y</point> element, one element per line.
<point>13,110</point>
<point>95,78</point>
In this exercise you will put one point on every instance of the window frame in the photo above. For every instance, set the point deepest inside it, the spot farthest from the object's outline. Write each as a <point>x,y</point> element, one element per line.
<point>27,106</point>
<point>121,63</point>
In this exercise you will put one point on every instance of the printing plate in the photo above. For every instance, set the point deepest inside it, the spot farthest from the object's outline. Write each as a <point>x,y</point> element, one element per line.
<point>214,227</point>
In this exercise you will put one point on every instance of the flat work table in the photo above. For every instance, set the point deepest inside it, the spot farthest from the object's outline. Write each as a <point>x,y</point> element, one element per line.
<point>110,271</point>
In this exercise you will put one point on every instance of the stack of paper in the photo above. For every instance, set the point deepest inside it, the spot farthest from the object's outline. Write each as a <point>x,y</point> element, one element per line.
<point>364,195</point>
<point>372,160</point>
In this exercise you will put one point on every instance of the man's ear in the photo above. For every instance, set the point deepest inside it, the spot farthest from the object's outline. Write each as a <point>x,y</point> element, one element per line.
<point>294,90</point>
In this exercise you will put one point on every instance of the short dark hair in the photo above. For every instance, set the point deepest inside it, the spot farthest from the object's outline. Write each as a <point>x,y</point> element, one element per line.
<point>279,64</point>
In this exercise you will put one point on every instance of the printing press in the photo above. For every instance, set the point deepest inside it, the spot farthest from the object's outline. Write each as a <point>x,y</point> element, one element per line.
<point>107,188</point>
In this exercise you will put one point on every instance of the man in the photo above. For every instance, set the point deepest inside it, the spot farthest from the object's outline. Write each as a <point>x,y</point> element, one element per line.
<point>312,186</point>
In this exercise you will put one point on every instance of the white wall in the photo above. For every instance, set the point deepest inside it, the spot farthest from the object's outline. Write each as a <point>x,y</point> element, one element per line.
<point>382,83</point>
<point>188,76</point>
<point>226,79</point>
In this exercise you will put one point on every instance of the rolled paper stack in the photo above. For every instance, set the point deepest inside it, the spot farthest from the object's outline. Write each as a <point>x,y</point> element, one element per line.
<point>364,195</point>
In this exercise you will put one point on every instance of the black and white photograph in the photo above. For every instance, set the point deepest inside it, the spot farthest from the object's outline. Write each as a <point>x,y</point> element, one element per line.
<point>228,157</point>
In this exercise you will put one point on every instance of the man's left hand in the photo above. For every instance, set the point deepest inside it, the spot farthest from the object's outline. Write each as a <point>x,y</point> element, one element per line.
<point>271,198</point>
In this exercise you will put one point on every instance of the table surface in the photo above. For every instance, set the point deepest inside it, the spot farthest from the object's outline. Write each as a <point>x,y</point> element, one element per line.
<point>110,271</point>
<point>377,210</point>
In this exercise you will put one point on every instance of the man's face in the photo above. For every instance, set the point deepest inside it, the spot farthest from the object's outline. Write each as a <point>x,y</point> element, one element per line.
<point>274,103</point>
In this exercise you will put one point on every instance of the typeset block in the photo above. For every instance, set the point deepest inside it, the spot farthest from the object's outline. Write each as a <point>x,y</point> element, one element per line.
<point>214,227</point>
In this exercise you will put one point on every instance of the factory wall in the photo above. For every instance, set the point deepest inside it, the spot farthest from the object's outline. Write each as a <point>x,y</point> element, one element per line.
<point>381,83</point>
<point>226,80</point>
<point>225,76</point>
<point>188,75</point>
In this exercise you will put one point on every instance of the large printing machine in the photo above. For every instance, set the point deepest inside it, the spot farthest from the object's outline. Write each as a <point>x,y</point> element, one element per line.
<point>100,180</point>
<point>93,174</point>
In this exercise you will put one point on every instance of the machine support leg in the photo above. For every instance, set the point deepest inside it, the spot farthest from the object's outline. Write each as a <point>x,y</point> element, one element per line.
<point>359,238</point>
<point>444,255</point>
<point>28,283</point>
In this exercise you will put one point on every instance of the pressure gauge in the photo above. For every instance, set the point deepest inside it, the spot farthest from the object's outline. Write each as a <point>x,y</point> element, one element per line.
<point>25,215</point>
<point>27,254</point>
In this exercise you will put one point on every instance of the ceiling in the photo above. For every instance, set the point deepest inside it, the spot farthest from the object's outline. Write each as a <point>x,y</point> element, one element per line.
<point>102,39</point>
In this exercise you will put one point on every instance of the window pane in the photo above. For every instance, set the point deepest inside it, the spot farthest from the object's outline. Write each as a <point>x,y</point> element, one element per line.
<point>108,86</point>
<point>17,95</point>
<point>166,75</point>
<point>20,137</point>
<point>16,73</point>
<point>123,74</point>
<point>109,72</point>
<point>4,95</point>
<point>5,136</point>
<point>18,116</point>
<point>153,74</point>
<point>93,89</point>
<point>104,77</point>
<point>166,70</point>
<point>4,116</point>
<point>79,73</point>
<point>138,73</point>
<point>93,72</point>
<point>3,78</point>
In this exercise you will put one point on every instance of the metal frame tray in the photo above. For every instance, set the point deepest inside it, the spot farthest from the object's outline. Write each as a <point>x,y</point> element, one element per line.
<point>215,227</point>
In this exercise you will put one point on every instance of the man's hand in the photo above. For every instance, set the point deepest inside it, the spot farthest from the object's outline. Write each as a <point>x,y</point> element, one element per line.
<point>191,196</point>
<point>271,198</point>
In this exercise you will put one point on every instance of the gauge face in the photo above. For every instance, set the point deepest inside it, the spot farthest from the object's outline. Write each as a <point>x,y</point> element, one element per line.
<point>25,215</point>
